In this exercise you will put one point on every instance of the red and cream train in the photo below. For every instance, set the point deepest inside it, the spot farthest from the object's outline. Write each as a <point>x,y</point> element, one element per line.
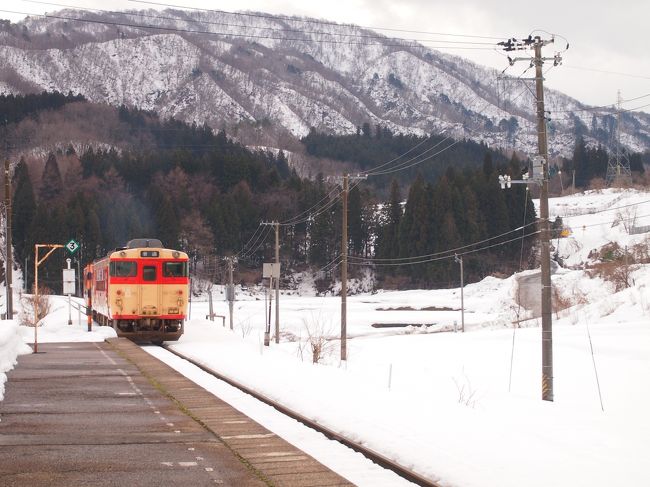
<point>141,290</point>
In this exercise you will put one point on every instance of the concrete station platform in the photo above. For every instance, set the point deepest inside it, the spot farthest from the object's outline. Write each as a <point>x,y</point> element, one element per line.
<point>110,414</point>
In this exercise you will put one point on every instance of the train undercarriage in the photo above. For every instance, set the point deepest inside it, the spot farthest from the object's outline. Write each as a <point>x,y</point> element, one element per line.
<point>153,329</point>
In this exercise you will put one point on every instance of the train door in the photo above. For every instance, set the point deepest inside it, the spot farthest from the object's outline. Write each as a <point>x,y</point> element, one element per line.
<point>150,299</point>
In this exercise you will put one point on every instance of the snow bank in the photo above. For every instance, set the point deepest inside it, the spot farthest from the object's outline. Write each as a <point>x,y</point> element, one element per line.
<point>11,345</point>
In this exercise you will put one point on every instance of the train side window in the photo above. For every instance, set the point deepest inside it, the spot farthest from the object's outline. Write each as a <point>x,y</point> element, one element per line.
<point>175,269</point>
<point>148,273</point>
<point>121,268</point>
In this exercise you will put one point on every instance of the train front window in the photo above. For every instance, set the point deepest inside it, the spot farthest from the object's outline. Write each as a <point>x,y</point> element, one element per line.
<point>121,268</point>
<point>148,273</point>
<point>175,269</point>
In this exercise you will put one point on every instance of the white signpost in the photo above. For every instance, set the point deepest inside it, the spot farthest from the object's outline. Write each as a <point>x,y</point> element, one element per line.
<point>270,270</point>
<point>69,281</point>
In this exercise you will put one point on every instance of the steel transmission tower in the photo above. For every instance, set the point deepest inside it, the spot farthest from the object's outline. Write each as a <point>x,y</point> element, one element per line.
<point>618,165</point>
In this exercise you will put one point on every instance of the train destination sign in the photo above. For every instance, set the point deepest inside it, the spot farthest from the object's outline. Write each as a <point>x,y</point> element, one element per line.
<point>72,246</point>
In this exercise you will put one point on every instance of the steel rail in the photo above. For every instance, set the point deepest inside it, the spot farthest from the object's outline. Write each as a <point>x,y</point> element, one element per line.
<point>372,455</point>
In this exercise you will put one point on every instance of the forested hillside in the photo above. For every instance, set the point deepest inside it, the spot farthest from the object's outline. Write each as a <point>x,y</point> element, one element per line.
<point>207,194</point>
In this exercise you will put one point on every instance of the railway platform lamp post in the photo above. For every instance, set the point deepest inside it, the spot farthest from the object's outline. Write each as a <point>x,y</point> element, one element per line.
<point>37,262</point>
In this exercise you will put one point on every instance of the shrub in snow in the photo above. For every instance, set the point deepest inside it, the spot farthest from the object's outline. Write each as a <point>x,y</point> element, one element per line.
<point>30,305</point>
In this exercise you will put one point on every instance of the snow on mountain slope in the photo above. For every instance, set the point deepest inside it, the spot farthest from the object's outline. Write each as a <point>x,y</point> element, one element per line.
<point>296,78</point>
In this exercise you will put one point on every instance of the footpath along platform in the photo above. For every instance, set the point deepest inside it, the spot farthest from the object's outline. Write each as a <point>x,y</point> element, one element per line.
<point>109,414</point>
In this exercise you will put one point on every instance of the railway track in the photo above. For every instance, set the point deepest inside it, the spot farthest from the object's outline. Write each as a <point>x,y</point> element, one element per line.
<point>375,457</point>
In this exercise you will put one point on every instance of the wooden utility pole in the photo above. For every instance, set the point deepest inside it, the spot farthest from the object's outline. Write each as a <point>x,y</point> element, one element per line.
<point>462,299</point>
<point>9,262</point>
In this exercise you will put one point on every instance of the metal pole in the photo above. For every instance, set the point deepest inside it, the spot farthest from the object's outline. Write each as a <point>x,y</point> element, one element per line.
<point>79,289</point>
<point>69,298</point>
<point>8,272</point>
<point>547,319</point>
<point>36,298</point>
<point>344,270</point>
<point>267,315</point>
<point>232,291</point>
<point>277,283</point>
<point>462,300</point>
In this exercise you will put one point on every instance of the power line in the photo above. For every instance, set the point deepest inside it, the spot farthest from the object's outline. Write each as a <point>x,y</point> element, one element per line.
<point>226,24</point>
<point>601,107</point>
<point>238,35</point>
<point>629,75</point>
<point>312,21</point>
<point>457,249</point>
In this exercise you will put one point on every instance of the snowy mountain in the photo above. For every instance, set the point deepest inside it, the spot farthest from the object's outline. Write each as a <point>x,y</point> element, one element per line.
<point>287,76</point>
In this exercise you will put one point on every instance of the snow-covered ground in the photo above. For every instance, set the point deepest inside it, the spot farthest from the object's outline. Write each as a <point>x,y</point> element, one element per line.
<point>464,409</point>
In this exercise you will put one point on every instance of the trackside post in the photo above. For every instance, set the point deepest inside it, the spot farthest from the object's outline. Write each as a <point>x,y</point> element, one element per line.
<point>89,300</point>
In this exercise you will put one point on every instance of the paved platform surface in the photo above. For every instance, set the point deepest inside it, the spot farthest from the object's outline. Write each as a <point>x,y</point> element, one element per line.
<point>109,414</point>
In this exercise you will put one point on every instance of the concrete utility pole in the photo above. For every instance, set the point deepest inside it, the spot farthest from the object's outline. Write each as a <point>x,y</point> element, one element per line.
<point>277,283</point>
<point>231,291</point>
<point>344,271</point>
<point>8,272</point>
<point>344,265</point>
<point>277,279</point>
<point>547,318</point>
<point>540,176</point>
<point>462,286</point>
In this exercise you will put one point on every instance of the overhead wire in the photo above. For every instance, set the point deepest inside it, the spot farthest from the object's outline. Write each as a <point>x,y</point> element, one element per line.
<point>256,245</point>
<point>399,42</point>
<point>601,107</point>
<point>244,26</point>
<point>629,75</point>
<point>399,167</point>
<point>425,259</point>
<point>453,250</point>
<point>310,21</point>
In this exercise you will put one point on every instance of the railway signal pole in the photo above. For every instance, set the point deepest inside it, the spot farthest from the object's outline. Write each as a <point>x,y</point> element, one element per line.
<point>540,176</point>
<point>38,262</point>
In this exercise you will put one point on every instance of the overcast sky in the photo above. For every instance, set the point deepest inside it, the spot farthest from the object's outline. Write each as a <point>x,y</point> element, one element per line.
<point>608,41</point>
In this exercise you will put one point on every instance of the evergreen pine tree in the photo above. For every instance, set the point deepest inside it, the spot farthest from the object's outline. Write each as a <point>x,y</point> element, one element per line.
<point>23,209</point>
<point>51,181</point>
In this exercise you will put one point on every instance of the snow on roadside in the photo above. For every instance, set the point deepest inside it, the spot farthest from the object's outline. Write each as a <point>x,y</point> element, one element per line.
<point>11,345</point>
